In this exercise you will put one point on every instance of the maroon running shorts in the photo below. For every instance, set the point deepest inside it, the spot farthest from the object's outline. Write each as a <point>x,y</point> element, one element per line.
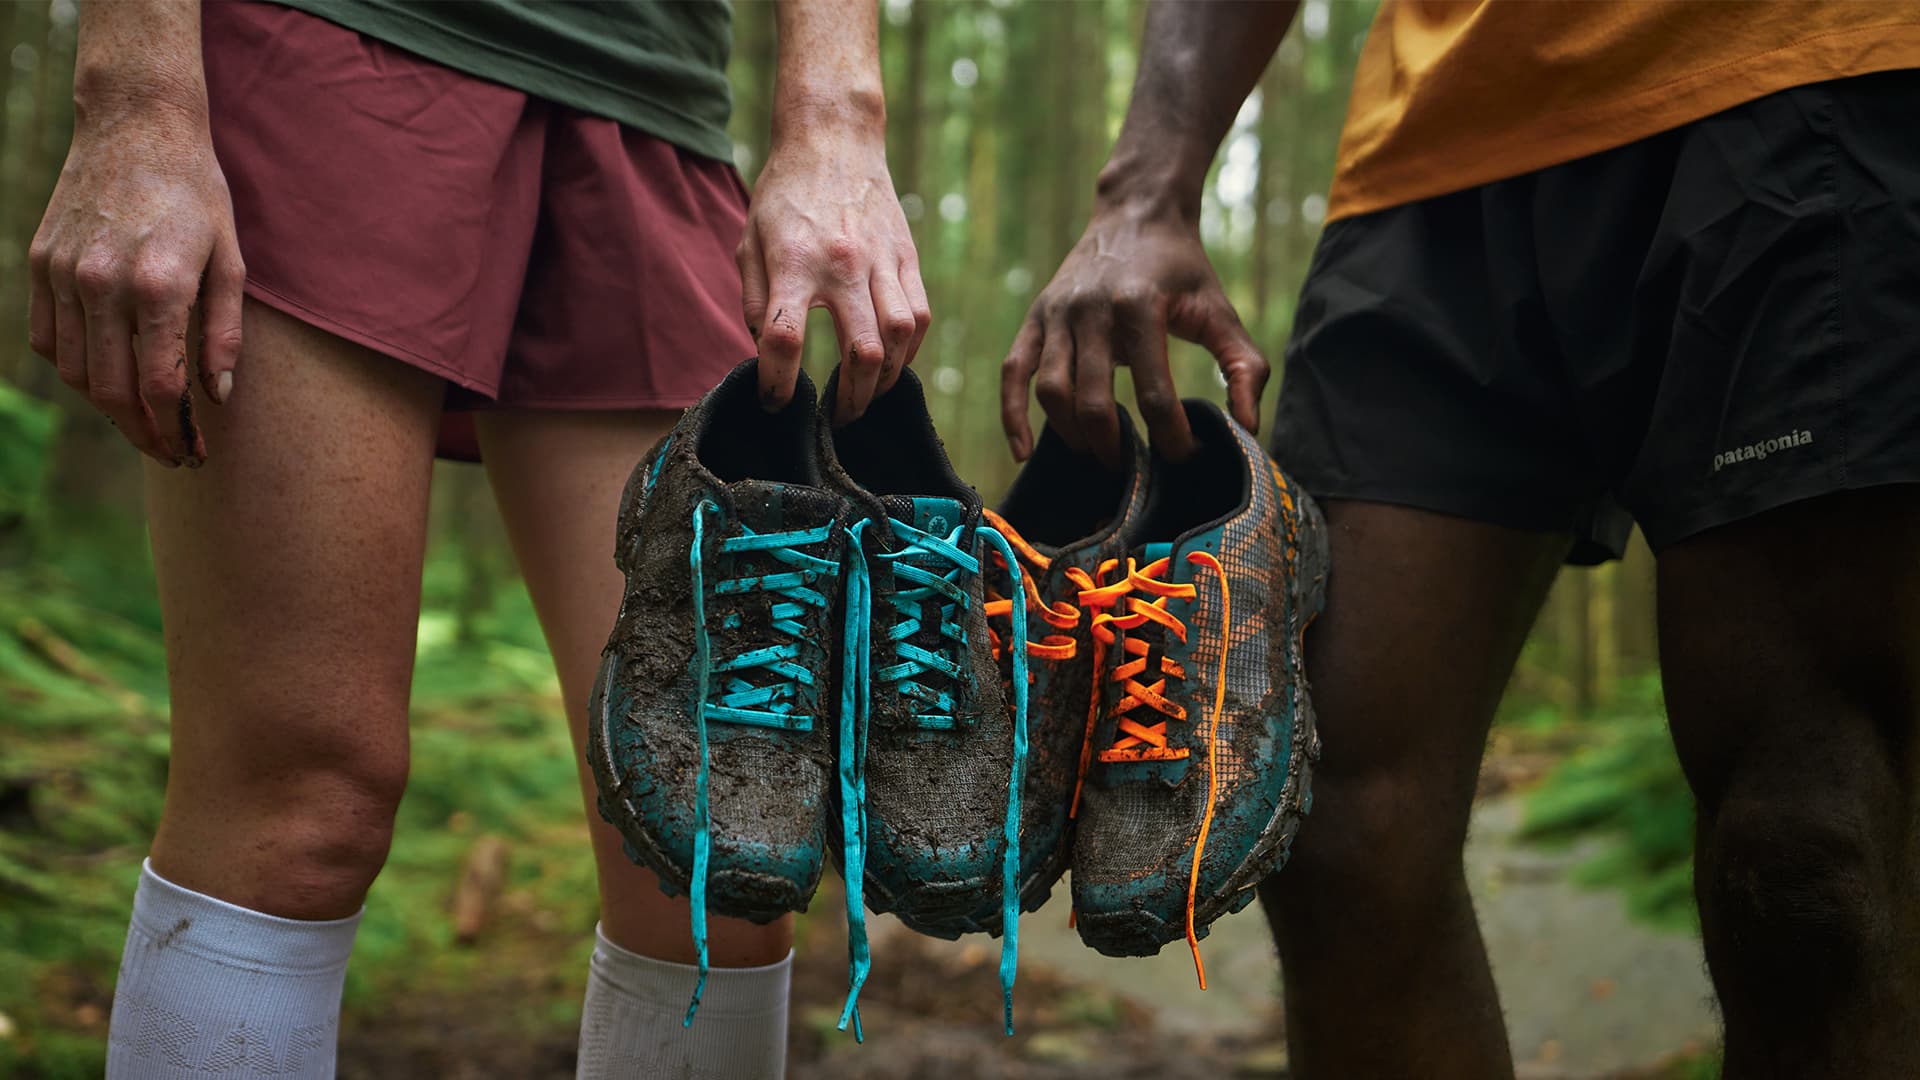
<point>534,256</point>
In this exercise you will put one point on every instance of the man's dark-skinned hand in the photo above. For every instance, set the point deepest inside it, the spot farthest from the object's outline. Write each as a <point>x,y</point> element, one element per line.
<point>1133,278</point>
<point>1139,272</point>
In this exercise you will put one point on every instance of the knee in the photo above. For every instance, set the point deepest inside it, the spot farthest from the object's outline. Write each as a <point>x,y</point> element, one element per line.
<point>1792,892</point>
<point>334,834</point>
<point>307,816</point>
<point>1386,843</point>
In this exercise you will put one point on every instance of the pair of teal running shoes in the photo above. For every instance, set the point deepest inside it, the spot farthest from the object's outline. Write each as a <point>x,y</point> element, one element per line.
<point>829,648</point>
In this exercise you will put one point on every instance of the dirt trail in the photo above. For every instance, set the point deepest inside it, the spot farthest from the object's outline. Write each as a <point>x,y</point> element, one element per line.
<point>1588,994</point>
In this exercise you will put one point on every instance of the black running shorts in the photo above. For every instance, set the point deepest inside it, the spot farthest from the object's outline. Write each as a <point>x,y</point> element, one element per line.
<point>1683,332</point>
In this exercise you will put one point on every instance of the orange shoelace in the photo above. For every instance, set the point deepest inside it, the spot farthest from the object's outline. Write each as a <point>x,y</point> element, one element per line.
<point>1138,736</point>
<point>1062,616</point>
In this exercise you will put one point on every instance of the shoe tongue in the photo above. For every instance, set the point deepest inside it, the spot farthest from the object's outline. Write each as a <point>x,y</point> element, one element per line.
<point>772,506</point>
<point>1156,552</point>
<point>929,514</point>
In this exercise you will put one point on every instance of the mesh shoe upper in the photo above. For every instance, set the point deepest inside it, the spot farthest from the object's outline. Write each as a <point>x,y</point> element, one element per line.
<point>712,717</point>
<point>1205,727</point>
<point>941,749</point>
<point>1066,514</point>
<point>937,792</point>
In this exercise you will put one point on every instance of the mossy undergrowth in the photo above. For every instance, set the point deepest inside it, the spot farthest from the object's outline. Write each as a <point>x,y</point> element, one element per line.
<point>83,765</point>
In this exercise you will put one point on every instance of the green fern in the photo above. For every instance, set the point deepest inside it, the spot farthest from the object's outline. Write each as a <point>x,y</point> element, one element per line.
<point>1628,787</point>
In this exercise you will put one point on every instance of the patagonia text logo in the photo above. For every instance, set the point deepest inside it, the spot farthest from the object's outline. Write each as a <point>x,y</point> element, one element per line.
<point>1759,451</point>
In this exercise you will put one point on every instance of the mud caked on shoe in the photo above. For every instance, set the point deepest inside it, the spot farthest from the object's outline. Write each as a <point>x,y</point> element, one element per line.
<point>931,752</point>
<point>1199,757</point>
<point>712,718</point>
<point>1066,515</point>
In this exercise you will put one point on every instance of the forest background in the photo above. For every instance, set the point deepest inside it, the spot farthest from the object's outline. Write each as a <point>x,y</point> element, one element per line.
<point>1000,114</point>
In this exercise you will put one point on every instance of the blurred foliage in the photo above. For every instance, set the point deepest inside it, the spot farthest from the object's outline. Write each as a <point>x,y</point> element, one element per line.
<point>83,769</point>
<point>1000,112</point>
<point>27,430</point>
<point>1626,786</point>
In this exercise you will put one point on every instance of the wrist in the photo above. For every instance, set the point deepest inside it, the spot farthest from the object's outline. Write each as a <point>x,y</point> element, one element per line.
<point>1164,182</point>
<point>847,115</point>
<point>108,94</point>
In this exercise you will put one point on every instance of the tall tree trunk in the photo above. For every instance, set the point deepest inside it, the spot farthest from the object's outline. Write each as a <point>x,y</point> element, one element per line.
<point>756,44</point>
<point>1633,608</point>
<point>1577,630</point>
<point>907,133</point>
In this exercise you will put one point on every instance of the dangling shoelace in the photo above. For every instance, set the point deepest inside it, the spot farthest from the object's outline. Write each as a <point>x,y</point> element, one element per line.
<point>915,585</point>
<point>773,699</point>
<point>1143,684</point>
<point>1061,616</point>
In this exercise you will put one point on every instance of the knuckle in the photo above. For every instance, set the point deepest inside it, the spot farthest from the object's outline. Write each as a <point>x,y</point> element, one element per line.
<point>1093,403</point>
<point>163,385</point>
<point>868,350</point>
<point>922,317</point>
<point>232,276</point>
<point>1133,298</point>
<point>844,255</point>
<point>900,327</point>
<point>158,282</point>
<point>111,397</point>
<point>40,342</point>
<point>40,254</point>
<point>787,251</point>
<point>95,277</point>
<point>1054,391</point>
<point>1156,401</point>
<point>60,268</point>
<point>73,375</point>
<point>225,339</point>
<point>780,336</point>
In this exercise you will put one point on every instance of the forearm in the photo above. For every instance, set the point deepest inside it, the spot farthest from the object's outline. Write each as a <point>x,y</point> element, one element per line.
<point>1198,63</point>
<point>138,57</point>
<point>828,77</point>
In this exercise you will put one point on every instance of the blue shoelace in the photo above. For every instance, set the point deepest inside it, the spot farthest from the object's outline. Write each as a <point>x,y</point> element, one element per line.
<point>775,701</point>
<point>915,585</point>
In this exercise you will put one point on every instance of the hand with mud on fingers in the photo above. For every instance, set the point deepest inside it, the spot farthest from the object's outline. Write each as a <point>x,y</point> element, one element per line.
<point>139,229</point>
<point>826,230</point>
<point>1135,276</point>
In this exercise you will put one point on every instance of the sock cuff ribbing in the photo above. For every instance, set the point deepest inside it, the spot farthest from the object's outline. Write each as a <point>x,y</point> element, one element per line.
<point>176,917</point>
<point>731,992</point>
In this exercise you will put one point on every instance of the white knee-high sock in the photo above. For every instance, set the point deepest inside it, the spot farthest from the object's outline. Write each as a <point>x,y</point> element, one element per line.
<point>208,988</point>
<point>631,1024</point>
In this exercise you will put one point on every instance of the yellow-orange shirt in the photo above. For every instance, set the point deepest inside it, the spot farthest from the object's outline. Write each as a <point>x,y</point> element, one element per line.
<point>1449,94</point>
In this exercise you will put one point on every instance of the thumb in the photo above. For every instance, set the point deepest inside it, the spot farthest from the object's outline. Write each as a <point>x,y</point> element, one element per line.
<point>222,291</point>
<point>1218,329</point>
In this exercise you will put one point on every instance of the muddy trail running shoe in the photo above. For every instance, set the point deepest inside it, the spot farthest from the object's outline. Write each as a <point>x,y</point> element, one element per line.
<point>712,719</point>
<point>932,752</point>
<point>1198,776</point>
<point>1065,516</point>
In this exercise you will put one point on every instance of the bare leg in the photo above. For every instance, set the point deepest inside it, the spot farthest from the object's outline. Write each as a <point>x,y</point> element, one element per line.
<point>1791,647</point>
<point>289,571</point>
<point>1385,971</point>
<point>558,478</point>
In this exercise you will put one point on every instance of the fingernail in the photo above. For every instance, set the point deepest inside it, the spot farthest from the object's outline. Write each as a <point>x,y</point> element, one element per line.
<point>222,386</point>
